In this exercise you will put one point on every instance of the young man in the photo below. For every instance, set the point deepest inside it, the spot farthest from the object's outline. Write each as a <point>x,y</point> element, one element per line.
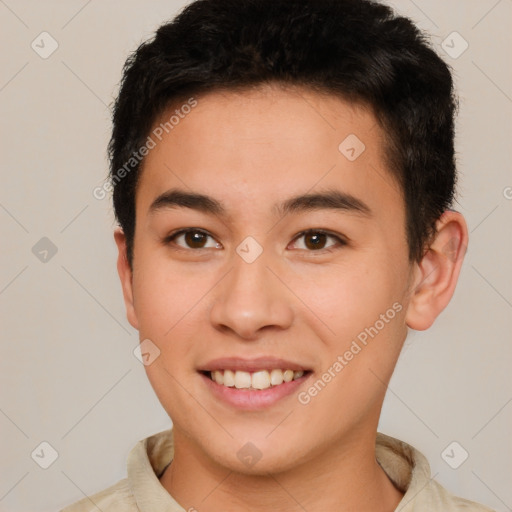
<point>282,174</point>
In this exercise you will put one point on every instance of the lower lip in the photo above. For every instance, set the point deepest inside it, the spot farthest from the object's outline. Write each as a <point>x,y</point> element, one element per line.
<point>251,400</point>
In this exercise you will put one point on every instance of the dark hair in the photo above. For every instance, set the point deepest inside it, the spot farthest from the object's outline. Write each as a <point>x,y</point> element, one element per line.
<point>358,50</point>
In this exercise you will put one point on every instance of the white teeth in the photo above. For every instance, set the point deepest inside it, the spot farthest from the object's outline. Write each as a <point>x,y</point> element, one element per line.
<point>288,375</point>
<point>276,377</point>
<point>229,378</point>
<point>242,380</point>
<point>262,379</point>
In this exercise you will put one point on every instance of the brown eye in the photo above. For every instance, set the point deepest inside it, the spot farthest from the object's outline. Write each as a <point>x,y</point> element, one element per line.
<point>193,239</point>
<point>315,240</point>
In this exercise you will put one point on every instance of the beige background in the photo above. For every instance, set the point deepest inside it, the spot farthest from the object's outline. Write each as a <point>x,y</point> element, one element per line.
<point>68,373</point>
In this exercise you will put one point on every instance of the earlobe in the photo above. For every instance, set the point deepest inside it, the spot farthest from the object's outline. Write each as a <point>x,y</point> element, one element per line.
<point>437,274</point>
<point>126,277</point>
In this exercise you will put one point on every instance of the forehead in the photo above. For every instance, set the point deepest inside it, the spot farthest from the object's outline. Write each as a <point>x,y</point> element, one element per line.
<point>263,146</point>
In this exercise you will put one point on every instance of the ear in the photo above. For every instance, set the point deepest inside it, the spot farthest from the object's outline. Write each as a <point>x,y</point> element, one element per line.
<point>437,274</point>
<point>125,274</point>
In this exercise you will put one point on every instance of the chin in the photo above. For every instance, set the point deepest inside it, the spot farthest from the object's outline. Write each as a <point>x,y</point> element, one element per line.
<point>256,458</point>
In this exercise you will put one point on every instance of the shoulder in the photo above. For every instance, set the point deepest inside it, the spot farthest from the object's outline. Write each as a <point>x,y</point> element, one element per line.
<point>116,498</point>
<point>409,470</point>
<point>441,497</point>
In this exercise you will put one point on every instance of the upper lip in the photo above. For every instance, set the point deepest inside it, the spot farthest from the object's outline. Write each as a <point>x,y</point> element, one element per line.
<point>251,365</point>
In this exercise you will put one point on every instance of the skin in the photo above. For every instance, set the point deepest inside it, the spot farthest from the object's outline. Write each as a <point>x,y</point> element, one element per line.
<point>250,150</point>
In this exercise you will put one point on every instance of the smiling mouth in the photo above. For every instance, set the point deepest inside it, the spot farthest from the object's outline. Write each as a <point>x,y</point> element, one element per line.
<point>253,381</point>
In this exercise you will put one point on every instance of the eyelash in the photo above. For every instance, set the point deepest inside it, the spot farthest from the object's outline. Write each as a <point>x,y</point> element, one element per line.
<point>341,241</point>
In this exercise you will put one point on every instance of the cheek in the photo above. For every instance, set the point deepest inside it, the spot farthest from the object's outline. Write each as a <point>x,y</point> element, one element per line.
<point>348,295</point>
<point>168,313</point>
<point>359,309</point>
<point>163,297</point>
<point>170,305</point>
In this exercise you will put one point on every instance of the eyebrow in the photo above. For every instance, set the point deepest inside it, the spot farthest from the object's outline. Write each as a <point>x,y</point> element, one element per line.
<point>329,199</point>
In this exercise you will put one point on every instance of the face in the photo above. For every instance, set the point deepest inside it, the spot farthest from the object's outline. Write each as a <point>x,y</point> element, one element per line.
<point>256,277</point>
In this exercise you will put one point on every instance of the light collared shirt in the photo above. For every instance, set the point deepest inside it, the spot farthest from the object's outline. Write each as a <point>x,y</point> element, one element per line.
<point>142,491</point>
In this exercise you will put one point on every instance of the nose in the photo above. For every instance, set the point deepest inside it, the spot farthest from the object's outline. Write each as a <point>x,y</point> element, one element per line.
<point>251,298</point>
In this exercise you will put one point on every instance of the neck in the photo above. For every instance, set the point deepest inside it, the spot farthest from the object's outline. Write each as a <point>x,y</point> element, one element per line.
<point>345,478</point>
